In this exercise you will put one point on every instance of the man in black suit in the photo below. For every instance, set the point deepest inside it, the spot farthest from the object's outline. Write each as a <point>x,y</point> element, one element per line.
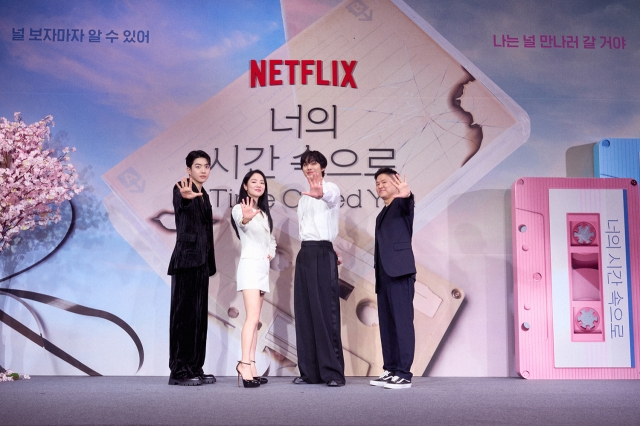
<point>395,279</point>
<point>192,263</point>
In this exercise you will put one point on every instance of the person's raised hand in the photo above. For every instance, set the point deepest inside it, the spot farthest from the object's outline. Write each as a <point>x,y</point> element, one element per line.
<point>186,190</point>
<point>403,186</point>
<point>315,186</point>
<point>249,209</point>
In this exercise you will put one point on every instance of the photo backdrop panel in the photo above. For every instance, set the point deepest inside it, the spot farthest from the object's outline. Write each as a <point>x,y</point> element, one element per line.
<point>377,93</point>
<point>110,98</point>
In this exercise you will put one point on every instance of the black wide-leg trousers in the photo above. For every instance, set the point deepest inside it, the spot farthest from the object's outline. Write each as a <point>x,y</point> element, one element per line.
<point>188,321</point>
<point>395,316</point>
<point>316,298</point>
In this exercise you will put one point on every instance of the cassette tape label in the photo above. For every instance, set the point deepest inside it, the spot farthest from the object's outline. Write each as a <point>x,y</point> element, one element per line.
<point>590,259</point>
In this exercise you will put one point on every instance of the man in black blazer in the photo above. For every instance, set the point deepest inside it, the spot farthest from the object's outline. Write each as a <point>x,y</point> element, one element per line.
<point>395,279</point>
<point>191,265</point>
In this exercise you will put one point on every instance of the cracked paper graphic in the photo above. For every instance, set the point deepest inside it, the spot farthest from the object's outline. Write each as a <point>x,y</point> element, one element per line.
<point>420,107</point>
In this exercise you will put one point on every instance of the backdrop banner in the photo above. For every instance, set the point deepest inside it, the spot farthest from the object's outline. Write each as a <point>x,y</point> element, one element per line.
<point>461,97</point>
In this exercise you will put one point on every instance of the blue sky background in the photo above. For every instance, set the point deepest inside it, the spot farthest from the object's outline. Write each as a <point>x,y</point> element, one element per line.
<point>109,99</point>
<point>112,98</point>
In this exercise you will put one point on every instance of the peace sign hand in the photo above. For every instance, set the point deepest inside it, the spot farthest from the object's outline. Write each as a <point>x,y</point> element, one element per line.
<point>249,209</point>
<point>315,186</point>
<point>186,189</point>
<point>403,187</point>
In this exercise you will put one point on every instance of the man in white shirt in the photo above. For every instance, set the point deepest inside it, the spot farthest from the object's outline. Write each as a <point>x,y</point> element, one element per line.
<point>316,293</point>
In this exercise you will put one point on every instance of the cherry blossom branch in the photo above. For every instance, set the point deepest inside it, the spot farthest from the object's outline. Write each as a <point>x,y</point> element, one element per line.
<point>32,180</point>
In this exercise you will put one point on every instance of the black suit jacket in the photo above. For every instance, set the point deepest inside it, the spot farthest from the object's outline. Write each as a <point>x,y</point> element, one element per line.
<point>394,229</point>
<point>194,226</point>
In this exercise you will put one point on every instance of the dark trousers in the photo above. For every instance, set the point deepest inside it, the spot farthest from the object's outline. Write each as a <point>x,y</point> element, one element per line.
<point>395,315</point>
<point>316,299</point>
<point>188,321</point>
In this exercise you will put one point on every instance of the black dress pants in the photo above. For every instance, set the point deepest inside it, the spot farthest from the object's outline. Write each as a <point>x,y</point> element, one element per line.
<point>316,298</point>
<point>188,321</point>
<point>395,315</point>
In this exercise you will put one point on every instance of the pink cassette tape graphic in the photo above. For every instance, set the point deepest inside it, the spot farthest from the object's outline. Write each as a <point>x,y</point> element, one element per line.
<point>576,277</point>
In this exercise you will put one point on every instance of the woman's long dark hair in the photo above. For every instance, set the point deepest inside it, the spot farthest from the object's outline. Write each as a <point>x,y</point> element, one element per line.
<point>263,201</point>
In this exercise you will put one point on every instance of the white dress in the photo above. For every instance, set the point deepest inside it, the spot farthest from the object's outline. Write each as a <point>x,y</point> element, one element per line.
<point>257,243</point>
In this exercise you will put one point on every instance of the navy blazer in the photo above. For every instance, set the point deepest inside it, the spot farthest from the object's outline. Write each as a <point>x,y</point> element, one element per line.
<point>394,229</point>
<point>194,227</point>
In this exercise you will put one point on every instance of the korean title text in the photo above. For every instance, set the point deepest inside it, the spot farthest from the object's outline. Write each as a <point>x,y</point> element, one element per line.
<point>78,35</point>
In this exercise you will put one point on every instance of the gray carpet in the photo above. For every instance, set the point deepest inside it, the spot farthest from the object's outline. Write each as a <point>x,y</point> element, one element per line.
<point>439,401</point>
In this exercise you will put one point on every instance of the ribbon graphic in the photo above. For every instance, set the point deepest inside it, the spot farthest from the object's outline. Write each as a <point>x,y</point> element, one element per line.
<point>40,339</point>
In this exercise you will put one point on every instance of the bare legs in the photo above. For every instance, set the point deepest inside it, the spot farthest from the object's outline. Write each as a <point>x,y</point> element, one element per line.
<point>249,338</point>
<point>254,344</point>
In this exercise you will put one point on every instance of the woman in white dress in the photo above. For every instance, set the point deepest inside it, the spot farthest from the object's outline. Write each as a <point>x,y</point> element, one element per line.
<point>253,225</point>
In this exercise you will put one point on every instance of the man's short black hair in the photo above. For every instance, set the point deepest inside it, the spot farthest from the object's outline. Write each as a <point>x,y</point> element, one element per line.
<point>311,156</point>
<point>386,171</point>
<point>194,155</point>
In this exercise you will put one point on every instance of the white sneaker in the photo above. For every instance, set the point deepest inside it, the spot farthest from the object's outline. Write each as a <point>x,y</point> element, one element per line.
<point>382,380</point>
<point>397,383</point>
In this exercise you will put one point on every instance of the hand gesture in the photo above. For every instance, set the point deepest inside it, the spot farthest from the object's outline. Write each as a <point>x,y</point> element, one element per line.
<point>186,190</point>
<point>249,209</point>
<point>339,259</point>
<point>315,186</point>
<point>403,187</point>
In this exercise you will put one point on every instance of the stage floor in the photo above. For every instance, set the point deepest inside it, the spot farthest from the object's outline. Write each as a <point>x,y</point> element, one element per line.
<point>51,400</point>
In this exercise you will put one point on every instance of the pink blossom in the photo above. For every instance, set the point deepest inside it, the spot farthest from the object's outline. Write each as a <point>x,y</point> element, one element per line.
<point>33,182</point>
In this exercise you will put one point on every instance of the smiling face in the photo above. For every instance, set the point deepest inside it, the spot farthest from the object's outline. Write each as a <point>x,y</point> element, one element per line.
<point>255,186</point>
<point>312,168</point>
<point>385,188</point>
<point>199,171</point>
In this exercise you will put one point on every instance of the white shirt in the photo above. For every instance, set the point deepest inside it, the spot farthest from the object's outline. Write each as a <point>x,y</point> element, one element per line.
<point>318,218</point>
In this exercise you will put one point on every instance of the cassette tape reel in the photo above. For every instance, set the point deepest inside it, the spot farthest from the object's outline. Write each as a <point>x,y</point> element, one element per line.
<point>575,251</point>
<point>585,276</point>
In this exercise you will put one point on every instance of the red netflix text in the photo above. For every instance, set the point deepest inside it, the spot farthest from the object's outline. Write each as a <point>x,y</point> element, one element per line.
<point>271,72</point>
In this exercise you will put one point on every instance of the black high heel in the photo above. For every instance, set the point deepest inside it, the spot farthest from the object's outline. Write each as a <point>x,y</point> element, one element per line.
<point>262,380</point>
<point>246,383</point>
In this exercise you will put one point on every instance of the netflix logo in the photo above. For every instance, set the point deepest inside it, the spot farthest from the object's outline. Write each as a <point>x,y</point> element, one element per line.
<point>274,71</point>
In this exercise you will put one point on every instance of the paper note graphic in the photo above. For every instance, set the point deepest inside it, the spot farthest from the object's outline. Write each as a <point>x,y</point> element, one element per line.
<point>419,106</point>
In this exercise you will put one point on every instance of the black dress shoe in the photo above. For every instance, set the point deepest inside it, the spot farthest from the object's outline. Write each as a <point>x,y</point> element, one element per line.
<point>207,379</point>
<point>299,381</point>
<point>185,381</point>
<point>335,383</point>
